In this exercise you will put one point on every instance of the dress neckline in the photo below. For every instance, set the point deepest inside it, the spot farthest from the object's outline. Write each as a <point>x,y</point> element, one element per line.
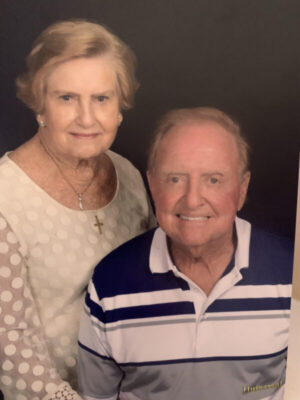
<point>108,154</point>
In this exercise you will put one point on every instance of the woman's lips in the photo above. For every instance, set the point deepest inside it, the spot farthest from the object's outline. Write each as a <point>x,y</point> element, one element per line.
<point>84,135</point>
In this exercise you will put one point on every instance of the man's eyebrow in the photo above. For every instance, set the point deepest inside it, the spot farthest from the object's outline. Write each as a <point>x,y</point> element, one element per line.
<point>105,92</point>
<point>170,173</point>
<point>212,173</point>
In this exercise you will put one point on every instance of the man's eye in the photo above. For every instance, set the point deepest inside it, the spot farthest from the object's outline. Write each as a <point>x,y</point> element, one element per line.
<point>214,180</point>
<point>101,98</point>
<point>174,179</point>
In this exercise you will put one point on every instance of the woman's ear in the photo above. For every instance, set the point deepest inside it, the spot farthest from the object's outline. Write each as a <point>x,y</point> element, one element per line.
<point>41,121</point>
<point>120,118</point>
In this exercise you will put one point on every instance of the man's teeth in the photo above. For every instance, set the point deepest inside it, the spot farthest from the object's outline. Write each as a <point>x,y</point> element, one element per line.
<point>192,218</point>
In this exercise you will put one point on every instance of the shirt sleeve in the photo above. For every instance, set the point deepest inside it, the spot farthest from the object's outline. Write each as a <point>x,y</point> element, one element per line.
<point>26,369</point>
<point>99,376</point>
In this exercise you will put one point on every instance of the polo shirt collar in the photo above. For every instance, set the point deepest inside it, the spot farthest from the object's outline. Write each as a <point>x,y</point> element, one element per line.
<point>160,260</point>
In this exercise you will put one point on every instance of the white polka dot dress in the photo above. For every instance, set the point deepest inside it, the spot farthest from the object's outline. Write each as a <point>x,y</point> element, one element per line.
<point>47,255</point>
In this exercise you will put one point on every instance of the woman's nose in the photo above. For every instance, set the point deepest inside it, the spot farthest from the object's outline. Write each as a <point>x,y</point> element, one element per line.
<point>85,116</point>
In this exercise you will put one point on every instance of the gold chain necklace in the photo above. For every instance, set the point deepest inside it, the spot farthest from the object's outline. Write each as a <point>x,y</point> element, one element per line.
<point>78,194</point>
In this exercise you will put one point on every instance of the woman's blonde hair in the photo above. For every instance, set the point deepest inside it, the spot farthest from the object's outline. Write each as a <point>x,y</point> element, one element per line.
<point>67,40</point>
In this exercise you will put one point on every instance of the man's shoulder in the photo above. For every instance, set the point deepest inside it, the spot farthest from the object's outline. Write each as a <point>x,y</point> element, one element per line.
<point>271,255</point>
<point>124,258</point>
<point>271,244</point>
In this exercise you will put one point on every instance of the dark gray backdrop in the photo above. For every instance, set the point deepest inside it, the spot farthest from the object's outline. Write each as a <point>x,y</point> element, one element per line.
<point>242,56</point>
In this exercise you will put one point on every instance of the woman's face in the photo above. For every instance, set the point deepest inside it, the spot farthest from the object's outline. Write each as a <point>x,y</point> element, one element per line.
<point>81,109</point>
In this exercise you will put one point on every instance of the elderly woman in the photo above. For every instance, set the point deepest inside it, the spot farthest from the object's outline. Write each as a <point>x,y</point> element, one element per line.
<point>65,202</point>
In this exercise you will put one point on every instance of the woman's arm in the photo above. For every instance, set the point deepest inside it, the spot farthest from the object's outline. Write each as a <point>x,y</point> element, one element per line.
<point>26,369</point>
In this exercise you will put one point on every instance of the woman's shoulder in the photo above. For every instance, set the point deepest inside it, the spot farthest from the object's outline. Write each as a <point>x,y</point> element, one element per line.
<point>117,159</point>
<point>6,166</point>
<point>18,158</point>
<point>123,166</point>
<point>4,159</point>
<point>130,179</point>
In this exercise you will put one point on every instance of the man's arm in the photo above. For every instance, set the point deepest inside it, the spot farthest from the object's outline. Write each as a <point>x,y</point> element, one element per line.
<point>99,376</point>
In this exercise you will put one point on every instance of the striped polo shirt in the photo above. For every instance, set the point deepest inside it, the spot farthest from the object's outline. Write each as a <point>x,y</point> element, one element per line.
<point>150,333</point>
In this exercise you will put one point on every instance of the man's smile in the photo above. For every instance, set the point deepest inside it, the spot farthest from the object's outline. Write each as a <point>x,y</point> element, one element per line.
<point>188,218</point>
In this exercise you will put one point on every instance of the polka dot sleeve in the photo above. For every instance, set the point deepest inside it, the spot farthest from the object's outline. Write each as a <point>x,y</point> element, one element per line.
<point>26,371</point>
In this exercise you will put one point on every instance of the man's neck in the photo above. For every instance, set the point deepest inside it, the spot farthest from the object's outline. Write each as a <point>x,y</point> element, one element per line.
<point>203,265</point>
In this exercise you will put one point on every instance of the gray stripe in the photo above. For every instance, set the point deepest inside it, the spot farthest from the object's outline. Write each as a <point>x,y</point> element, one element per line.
<point>152,323</point>
<point>212,380</point>
<point>226,380</point>
<point>241,317</point>
<point>140,324</point>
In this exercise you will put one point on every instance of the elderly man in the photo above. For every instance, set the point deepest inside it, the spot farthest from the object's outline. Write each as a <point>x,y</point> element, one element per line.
<point>197,309</point>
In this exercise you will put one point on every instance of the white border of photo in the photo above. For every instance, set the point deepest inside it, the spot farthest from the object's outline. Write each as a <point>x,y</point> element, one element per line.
<point>292,390</point>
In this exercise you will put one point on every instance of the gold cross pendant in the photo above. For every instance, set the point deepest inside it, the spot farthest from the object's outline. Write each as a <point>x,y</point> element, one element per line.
<point>98,224</point>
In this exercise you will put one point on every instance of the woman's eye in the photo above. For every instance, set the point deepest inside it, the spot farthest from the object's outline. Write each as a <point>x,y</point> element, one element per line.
<point>65,97</point>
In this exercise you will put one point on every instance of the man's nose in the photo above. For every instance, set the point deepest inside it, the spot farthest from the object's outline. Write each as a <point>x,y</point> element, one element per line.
<point>195,195</point>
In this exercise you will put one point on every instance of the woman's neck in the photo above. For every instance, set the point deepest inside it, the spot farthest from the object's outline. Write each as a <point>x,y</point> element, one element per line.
<point>95,181</point>
<point>79,166</point>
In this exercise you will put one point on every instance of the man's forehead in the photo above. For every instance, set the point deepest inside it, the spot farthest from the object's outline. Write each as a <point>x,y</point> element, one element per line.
<point>198,135</point>
<point>200,147</point>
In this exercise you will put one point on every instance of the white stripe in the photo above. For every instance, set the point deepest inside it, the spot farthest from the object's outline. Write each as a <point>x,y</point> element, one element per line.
<point>93,294</point>
<point>261,291</point>
<point>181,341</point>
<point>155,321</point>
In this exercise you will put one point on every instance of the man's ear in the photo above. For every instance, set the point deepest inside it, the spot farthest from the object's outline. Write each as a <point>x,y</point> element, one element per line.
<point>151,184</point>
<point>244,189</point>
<point>149,179</point>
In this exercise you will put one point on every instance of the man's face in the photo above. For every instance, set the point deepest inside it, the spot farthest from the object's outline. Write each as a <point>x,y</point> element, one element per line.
<point>196,185</point>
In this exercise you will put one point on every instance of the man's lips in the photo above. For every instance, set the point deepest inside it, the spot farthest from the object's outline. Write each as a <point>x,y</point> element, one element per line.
<point>194,218</point>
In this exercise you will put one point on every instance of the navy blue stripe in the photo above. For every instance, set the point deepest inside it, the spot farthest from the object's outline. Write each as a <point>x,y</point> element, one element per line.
<point>186,308</point>
<point>149,311</point>
<point>257,304</point>
<point>202,360</point>
<point>94,352</point>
